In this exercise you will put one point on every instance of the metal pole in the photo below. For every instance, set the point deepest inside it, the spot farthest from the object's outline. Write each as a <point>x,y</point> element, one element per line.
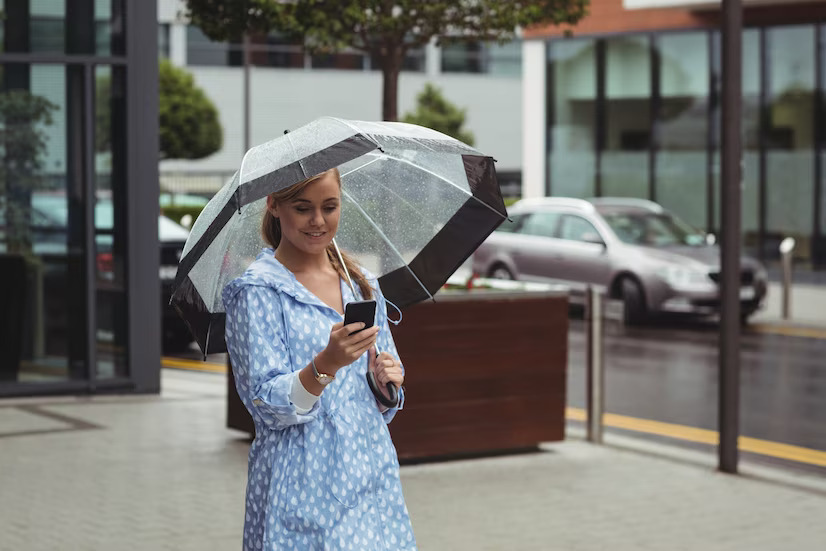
<point>595,372</point>
<point>246,56</point>
<point>729,361</point>
<point>786,250</point>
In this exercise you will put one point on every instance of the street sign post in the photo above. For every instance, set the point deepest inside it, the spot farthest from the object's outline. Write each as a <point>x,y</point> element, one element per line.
<point>730,192</point>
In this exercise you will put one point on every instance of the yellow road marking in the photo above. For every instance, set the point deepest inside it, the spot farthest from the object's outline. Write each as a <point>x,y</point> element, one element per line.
<point>789,331</point>
<point>613,420</point>
<point>193,365</point>
<point>705,436</point>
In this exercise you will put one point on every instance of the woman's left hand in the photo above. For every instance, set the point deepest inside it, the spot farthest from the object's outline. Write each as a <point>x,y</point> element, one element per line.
<point>386,368</point>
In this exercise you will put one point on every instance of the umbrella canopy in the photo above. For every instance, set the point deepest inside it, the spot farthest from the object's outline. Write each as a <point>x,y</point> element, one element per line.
<point>415,205</point>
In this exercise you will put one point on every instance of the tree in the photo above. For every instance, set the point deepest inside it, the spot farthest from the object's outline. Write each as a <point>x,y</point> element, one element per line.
<point>434,111</point>
<point>385,29</point>
<point>23,142</point>
<point>189,126</point>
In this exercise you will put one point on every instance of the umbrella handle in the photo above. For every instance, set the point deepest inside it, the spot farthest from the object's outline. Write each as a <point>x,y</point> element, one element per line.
<point>393,401</point>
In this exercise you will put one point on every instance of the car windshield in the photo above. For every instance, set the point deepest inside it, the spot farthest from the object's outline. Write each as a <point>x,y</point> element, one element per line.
<point>653,229</point>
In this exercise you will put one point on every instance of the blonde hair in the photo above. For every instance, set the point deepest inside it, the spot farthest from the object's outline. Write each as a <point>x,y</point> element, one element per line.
<point>271,231</point>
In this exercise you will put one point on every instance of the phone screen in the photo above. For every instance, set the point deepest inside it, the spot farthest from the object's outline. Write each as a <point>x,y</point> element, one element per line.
<point>363,311</point>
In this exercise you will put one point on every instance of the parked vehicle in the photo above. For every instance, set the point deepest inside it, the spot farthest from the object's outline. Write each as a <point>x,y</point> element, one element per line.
<point>49,236</point>
<point>631,249</point>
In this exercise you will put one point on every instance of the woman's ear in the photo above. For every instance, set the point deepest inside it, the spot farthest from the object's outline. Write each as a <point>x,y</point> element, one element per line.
<point>272,206</point>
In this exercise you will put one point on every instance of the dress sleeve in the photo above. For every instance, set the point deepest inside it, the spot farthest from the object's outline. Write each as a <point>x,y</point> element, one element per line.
<point>386,344</point>
<point>256,343</point>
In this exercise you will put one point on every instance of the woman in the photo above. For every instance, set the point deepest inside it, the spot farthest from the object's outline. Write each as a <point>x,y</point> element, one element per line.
<point>323,472</point>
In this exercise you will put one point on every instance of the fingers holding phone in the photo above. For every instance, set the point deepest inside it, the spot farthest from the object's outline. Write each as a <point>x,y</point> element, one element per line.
<point>348,343</point>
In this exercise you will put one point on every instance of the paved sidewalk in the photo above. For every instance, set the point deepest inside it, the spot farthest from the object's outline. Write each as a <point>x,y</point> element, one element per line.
<point>162,472</point>
<point>807,306</point>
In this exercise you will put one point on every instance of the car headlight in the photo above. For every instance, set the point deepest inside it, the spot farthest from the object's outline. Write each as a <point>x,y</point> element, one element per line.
<point>687,279</point>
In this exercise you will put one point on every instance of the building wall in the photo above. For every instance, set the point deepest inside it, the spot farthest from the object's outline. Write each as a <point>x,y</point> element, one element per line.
<point>610,16</point>
<point>637,114</point>
<point>287,98</point>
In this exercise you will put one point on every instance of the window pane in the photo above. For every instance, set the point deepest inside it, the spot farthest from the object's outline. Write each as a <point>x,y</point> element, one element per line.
<point>751,145</point>
<point>109,27</point>
<point>462,57</point>
<point>624,167</point>
<point>683,125</point>
<point>276,50</point>
<point>110,231</point>
<point>200,50</point>
<point>572,68</point>
<point>790,161</point>
<point>39,252</point>
<point>541,223</point>
<point>163,40</point>
<point>512,225</point>
<point>352,61</point>
<point>505,59</point>
<point>576,228</point>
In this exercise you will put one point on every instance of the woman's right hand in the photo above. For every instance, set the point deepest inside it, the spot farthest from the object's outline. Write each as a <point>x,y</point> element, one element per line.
<point>344,348</point>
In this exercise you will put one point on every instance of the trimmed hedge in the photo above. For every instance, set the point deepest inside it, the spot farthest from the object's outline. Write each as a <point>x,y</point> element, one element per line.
<point>178,212</point>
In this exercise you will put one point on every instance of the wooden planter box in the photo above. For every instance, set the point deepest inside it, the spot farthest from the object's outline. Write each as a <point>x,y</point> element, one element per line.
<point>485,373</point>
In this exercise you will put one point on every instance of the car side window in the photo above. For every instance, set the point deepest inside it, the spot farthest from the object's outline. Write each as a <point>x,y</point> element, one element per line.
<point>576,228</point>
<point>542,224</point>
<point>511,227</point>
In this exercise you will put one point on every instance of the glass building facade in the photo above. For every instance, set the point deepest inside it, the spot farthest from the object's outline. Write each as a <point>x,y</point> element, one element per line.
<point>72,83</point>
<point>638,115</point>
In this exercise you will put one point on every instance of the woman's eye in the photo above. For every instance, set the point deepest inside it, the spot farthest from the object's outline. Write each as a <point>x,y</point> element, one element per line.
<point>330,209</point>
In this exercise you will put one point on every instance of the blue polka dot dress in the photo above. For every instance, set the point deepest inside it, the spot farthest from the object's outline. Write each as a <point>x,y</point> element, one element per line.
<point>327,479</point>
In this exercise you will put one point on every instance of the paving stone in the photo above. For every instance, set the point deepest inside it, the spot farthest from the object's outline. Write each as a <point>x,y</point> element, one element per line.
<point>162,472</point>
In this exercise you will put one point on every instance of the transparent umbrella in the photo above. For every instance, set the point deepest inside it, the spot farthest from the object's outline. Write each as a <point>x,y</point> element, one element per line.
<point>415,205</point>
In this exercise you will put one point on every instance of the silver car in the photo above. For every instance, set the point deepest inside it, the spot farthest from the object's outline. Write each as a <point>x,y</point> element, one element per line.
<point>631,249</point>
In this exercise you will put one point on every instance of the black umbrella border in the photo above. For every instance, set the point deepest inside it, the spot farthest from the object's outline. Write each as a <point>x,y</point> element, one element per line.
<point>482,213</point>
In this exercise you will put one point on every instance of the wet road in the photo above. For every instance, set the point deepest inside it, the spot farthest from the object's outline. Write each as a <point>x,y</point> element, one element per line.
<point>668,372</point>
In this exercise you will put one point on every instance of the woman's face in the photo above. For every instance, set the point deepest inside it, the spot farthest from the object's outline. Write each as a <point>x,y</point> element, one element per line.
<point>310,220</point>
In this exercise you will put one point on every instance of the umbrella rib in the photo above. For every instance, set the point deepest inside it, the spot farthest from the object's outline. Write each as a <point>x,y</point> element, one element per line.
<point>466,192</point>
<point>360,167</point>
<point>300,161</point>
<point>389,243</point>
<point>388,188</point>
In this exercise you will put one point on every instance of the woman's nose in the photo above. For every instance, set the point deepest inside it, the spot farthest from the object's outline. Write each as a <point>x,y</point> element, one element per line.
<point>317,218</point>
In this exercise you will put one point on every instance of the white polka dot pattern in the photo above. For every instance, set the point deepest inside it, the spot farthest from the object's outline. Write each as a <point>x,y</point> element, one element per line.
<point>327,479</point>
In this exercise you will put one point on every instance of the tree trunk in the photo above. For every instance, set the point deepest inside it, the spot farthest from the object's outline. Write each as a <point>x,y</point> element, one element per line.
<point>391,65</point>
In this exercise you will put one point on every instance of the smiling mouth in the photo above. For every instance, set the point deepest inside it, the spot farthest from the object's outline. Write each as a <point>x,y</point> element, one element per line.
<point>315,234</point>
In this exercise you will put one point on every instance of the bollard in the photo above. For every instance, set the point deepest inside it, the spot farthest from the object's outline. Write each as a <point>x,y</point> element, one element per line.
<point>786,250</point>
<point>595,378</point>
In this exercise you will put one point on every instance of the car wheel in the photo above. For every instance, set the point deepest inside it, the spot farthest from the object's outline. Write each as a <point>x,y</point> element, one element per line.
<point>501,272</point>
<point>633,301</point>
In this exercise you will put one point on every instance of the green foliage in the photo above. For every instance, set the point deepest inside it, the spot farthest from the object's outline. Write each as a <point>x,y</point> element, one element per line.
<point>434,111</point>
<point>384,29</point>
<point>22,116</point>
<point>379,25</point>
<point>189,126</point>
<point>23,143</point>
<point>103,114</point>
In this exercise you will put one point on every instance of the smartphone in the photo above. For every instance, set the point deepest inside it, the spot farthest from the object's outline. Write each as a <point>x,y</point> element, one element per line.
<point>363,311</point>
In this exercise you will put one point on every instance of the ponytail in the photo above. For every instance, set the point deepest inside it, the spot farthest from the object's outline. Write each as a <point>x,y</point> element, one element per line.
<point>355,271</point>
